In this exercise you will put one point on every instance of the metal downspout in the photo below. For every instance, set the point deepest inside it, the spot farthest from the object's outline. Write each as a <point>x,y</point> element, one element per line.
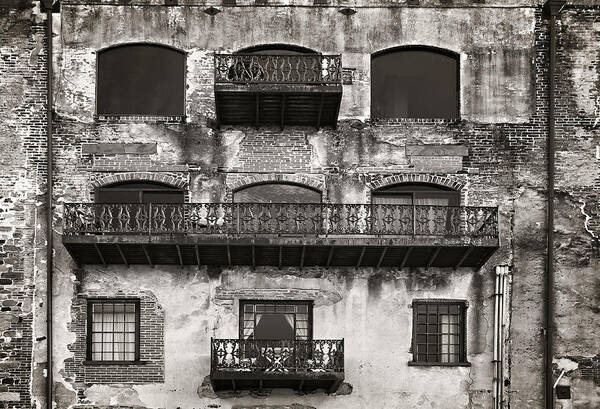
<point>49,232</point>
<point>554,8</point>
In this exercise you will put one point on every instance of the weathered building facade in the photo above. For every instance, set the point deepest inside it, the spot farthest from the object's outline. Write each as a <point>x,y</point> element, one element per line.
<point>251,209</point>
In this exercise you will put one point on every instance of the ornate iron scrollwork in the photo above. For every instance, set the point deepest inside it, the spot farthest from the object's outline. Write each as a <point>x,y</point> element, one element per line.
<point>280,218</point>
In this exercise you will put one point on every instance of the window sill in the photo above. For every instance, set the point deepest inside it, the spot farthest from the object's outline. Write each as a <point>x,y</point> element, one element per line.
<point>413,363</point>
<point>107,363</point>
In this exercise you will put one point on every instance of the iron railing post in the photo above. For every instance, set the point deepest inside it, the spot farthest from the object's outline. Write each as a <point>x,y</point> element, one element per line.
<point>149,219</point>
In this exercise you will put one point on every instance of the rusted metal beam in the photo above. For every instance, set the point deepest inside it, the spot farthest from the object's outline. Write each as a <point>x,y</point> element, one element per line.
<point>97,247</point>
<point>362,254</point>
<point>198,260</point>
<point>434,256</point>
<point>463,258</point>
<point>179,255</point>
<point>148,259</point>
<point>385,249</point>
<point>405,257</point>
<point>330,256</point>
<point>122,255</point>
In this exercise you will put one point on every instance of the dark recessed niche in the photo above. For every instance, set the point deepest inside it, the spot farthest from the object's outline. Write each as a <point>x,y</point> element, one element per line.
<point>563,392</point>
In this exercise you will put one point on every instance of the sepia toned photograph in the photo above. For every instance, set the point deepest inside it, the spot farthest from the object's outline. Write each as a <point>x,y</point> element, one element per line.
<point>300,204</point>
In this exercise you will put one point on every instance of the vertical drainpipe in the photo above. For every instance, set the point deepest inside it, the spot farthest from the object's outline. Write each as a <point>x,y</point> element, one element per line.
<point>553,8</point>
<point>49,232</point>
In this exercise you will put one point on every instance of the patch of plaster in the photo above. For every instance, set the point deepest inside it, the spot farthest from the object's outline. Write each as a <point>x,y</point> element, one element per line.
<point>113,395</point>
<point>587,219</point>
<point>566,364</point>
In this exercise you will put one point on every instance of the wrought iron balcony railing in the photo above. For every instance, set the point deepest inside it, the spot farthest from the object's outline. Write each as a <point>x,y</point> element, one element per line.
<point>278,69</point>
<point>283,356</point>
<point>280,218</point>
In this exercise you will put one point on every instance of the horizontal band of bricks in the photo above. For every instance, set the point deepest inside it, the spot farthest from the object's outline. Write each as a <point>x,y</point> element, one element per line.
<point>419,178</point>
<point>178,181</point>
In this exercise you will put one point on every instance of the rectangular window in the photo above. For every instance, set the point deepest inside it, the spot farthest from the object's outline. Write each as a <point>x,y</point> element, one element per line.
<point>276,320</point>
<point>113,330</point>
<point>439,332</point>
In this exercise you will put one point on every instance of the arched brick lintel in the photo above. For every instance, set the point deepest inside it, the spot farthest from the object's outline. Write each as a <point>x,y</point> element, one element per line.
<point>179,182</point>
<point>236,184</point>
<point>416,178</point>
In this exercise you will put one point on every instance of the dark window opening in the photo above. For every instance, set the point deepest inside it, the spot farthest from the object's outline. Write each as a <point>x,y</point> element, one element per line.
<point>277,193</point>
<point>141,79</point>
<point>416,194</point>
<point>439,332</point>
<point>277,49</point>
<point>113,330</point>
<point>415,83</point>
<point>139,192</point>
<point>276,320</point>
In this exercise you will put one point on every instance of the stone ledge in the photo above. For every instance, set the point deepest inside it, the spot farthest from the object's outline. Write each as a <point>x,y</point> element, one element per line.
<point>118,148</point>
<point>436,150</point>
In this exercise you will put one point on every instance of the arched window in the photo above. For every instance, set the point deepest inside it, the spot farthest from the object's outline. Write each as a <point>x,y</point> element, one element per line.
<point>415,82</point>
<point>141,79</point>
<point>277,193</point>
<point>416,194</point>
<point>139,192</point>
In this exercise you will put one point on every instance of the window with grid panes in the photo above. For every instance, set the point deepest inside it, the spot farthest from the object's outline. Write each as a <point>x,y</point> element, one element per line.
<point>113,330</point>
<point>276,320</point>
<point>439,332</point>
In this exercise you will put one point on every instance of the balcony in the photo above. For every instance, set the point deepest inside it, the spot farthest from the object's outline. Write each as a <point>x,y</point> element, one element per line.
<point>281,234</point>
<point>253,89</point>
<point>242,364</point>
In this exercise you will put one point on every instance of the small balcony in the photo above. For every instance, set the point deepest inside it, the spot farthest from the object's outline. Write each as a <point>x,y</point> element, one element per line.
<point>281,234</point>
<point>281,90</point>
<point>303,365</point>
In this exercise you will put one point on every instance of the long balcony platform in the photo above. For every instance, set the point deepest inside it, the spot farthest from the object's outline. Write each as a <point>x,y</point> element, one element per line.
<point>247,364</point>
<point>303,90</point>
<point>280,234</point>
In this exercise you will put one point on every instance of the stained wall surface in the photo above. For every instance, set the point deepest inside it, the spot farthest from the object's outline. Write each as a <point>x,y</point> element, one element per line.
<point>495,153</point>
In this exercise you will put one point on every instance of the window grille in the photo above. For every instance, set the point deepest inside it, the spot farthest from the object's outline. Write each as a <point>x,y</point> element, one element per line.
<point>439,332</point>
<point>113,330</point>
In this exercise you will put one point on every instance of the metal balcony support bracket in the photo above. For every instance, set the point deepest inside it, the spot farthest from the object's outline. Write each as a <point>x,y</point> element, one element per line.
<point>253,249</point>
<point>433,257</point>
<point>257,115</point>
<point>362,254</point>
<point>302,254</point>
<point>280,257</point>
<point>228,254</point>
<point>405,257</point>
<point>122,255</point>
<point>283,99</point>
<point>148,258</point>
<point>463,258</point>
<point>100,255</point>
<point>329,256</point>
<point>300,385</point>
<point>382,256</point>
<point>179,256</point>
<point>320,114</point>
<point>198,260</point>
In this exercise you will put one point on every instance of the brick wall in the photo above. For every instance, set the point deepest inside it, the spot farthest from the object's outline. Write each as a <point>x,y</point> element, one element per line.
<point>22,179</point>
<point>151,366</point>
